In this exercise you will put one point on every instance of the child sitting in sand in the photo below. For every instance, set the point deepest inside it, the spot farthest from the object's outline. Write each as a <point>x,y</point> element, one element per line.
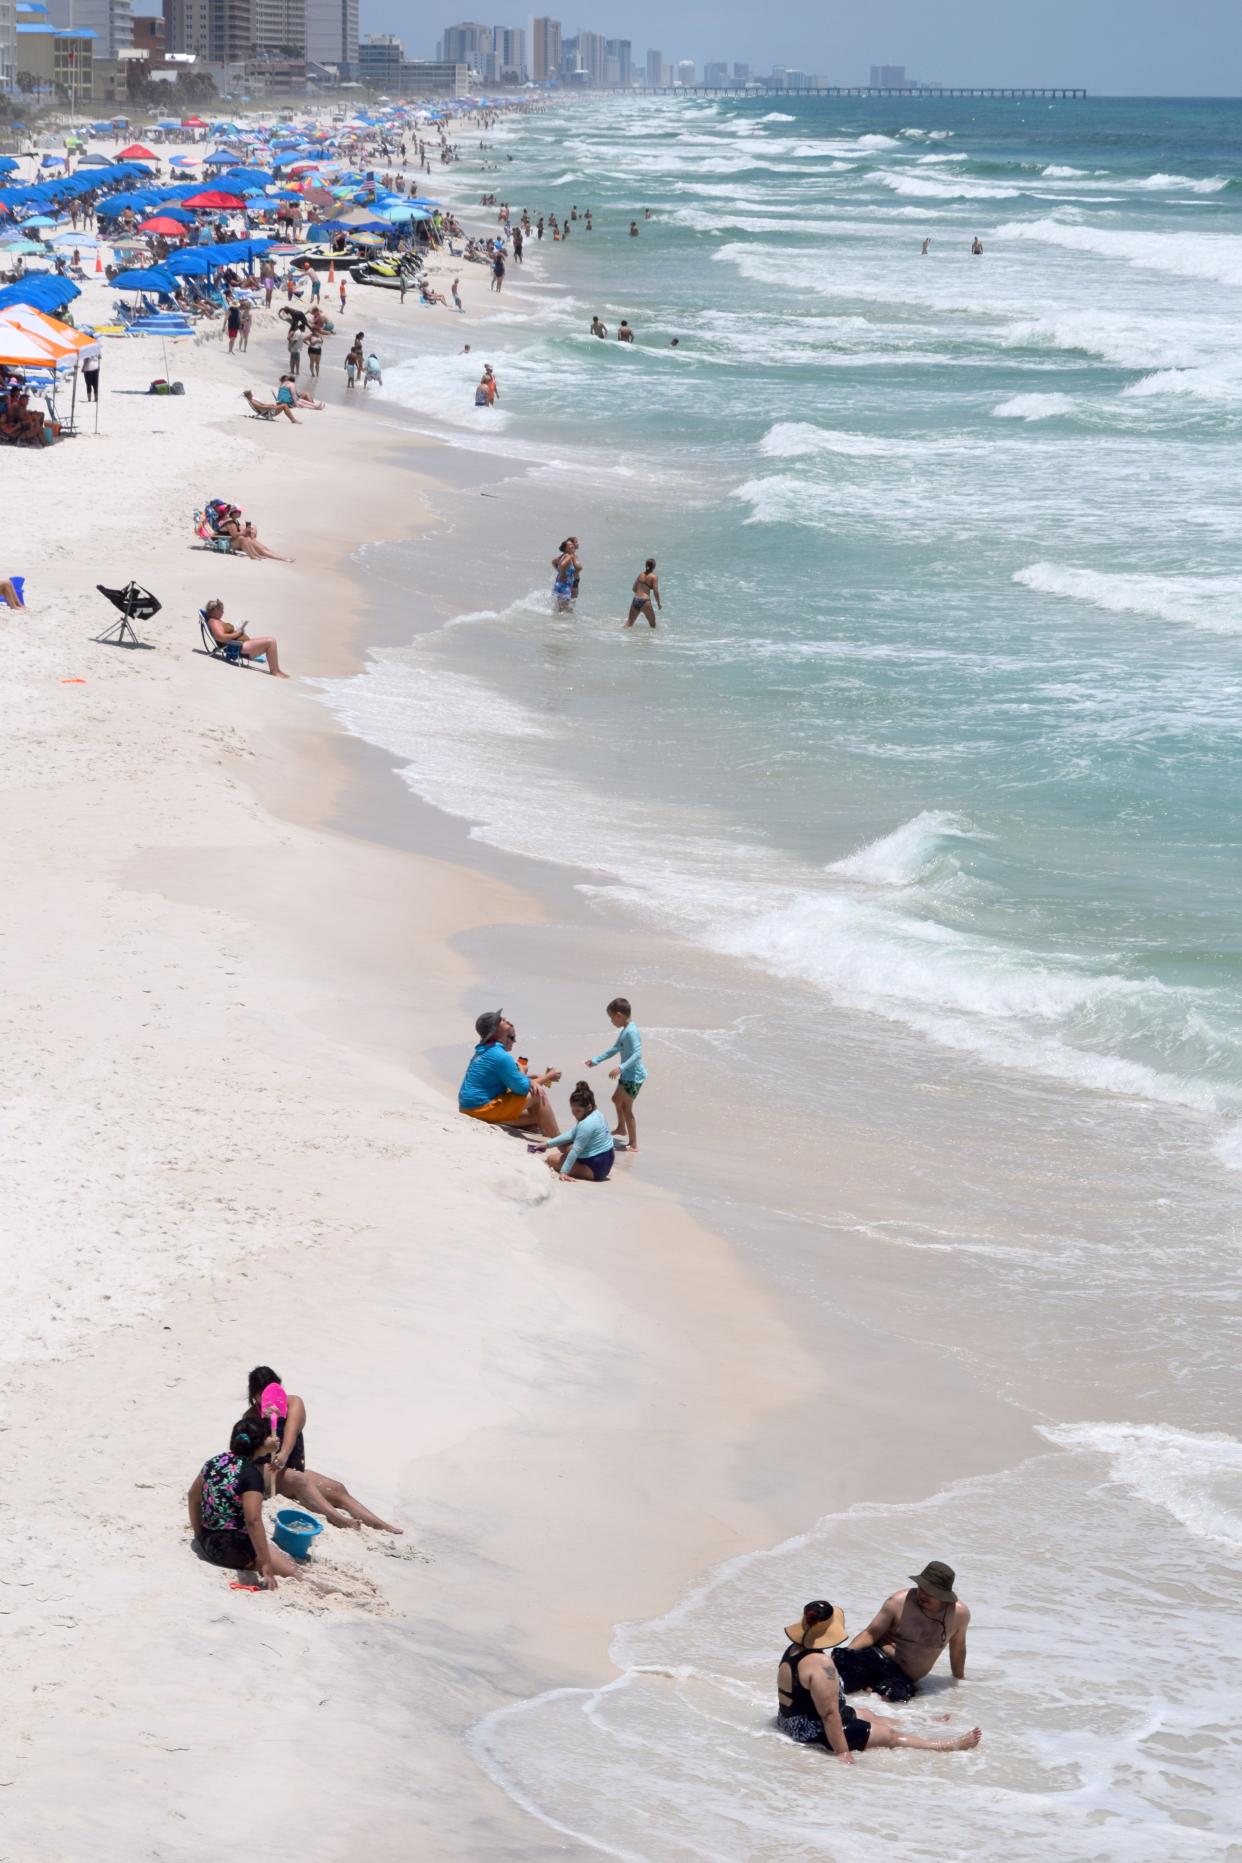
<point>631,1073</point>
<point>586,1152</point>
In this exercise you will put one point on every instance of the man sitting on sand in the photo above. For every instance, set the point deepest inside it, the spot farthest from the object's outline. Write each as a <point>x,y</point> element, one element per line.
<point>904,1639</point>
<point>811,1704</point>
<point>496,1090</point>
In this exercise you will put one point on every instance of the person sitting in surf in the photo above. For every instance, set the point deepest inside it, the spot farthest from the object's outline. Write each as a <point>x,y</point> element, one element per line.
<point>811,1704</point>
<point>907,1636</point>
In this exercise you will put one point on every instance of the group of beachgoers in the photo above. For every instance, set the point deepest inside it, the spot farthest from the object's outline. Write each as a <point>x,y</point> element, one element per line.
<point>567,582</point>
<point>499,1090</point>
<point>890,1658</point>
<point>266,1456</point>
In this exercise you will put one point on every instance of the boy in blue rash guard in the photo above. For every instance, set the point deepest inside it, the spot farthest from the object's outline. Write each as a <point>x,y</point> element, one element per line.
<point>631,1073</point>
<point>586,1151</point>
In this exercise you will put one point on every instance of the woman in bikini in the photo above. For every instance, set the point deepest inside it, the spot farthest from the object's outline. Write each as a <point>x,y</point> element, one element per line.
<point>323,1494</point>
<point>646,590</point>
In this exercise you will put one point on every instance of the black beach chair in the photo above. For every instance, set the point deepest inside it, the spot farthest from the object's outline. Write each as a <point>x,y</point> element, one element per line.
<point>135,604</point>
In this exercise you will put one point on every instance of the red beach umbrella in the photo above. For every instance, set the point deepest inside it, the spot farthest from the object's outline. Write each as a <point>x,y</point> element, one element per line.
<point>213,198</point>
<point>171,229</point>
<point>136,153</point>
<point>192,122</point>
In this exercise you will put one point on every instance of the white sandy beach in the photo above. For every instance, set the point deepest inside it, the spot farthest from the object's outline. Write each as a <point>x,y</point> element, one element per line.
<point>216,1149</point>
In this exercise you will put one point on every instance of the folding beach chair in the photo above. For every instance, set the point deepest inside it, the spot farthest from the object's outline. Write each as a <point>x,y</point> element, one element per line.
<point>229,651</point>
<point>135,604</point>
<point>207,536</point>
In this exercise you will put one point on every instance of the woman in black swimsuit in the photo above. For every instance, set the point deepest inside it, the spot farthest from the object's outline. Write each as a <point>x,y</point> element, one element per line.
<point>322,1494</point>
<point>811,1704</point>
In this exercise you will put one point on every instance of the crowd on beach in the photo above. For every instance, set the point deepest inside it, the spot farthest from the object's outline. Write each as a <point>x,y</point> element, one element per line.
<point>266,1455</point>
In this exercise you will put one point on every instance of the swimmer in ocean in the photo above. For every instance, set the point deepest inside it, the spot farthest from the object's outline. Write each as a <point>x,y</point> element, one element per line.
<point>646,590</point>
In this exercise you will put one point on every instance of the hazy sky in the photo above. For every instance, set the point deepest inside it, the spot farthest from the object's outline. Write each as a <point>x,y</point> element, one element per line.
<point>1128,47</point>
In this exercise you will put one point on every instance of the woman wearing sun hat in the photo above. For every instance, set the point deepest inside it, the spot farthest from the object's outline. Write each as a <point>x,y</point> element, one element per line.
<point>811,1704</point>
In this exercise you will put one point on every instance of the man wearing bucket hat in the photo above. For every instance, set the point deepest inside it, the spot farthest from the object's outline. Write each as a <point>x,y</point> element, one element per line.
<point>811,1704</point>
<point>904,1640</point>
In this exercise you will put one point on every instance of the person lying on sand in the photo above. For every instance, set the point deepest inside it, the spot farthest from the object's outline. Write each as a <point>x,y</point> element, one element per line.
<point>291,396</point>
<point>267,408</point>
<point>322,1494</point>
<point>811,1704</point>
<point>496,1090</point>
<point>226,1510</point>
<point>904,1640</point>
<point>225,634</point>
<point>586,1151</point>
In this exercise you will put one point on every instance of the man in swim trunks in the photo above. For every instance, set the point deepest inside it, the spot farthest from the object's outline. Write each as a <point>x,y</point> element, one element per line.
<point>811,1704</point>
<point>496,1090</point>
<point>904,1639</point>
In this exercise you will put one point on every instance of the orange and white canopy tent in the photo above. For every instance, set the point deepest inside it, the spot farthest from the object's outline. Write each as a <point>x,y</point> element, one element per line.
<point>29,340</point>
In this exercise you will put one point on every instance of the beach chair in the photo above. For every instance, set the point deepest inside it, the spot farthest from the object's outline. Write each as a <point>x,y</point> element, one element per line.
<point>134,603</point>
<point>228,651</point>
<point>207,536</point>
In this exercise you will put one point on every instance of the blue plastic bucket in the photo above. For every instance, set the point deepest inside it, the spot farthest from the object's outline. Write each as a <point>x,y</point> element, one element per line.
<point>296,1532</point>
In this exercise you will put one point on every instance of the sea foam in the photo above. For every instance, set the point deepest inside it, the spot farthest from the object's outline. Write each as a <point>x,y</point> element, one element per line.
<point>1210,602</point>
<point>1033,407</point>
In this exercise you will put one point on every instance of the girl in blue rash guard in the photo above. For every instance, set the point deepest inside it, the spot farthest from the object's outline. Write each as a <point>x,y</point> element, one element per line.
<point>586,1150</point>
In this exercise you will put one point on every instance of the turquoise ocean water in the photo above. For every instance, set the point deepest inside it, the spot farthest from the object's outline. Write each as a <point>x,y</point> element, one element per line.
<point>945,729</point>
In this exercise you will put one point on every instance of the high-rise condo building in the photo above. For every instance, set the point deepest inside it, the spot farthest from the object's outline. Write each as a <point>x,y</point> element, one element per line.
<point>466,44</point>
<point>888,78</point>
<point>220,32</point>
<point>509,50</point>
<point>109,20</point>
<point>591,54</point>
<point>280,27</point>
<point>8,44</point>
<point>741,74</point>
<point>545,49</point>
<point>655,70</point>
<point>618,63</point>
<point>716,73</point>
<point>685,71</point>
<point>380,58</point>
<point>332,33</point>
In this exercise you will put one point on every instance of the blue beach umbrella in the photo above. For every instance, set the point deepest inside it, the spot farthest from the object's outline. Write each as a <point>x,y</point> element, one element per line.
<point>155,278</point>
<point>45,291</point>
<point>189,264</point>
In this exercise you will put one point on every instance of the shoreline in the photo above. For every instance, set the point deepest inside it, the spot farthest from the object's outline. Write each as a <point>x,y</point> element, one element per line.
<point>244,958</point>
<point>262,1044</point>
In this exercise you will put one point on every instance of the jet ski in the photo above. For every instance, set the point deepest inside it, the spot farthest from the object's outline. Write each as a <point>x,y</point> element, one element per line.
<point>391,272</point>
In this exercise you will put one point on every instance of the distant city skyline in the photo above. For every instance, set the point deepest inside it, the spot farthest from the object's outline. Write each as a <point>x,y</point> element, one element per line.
<point>1112,47</point>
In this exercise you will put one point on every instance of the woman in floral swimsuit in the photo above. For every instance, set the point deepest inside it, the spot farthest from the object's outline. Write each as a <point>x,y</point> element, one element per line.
<point>226,1509</point>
